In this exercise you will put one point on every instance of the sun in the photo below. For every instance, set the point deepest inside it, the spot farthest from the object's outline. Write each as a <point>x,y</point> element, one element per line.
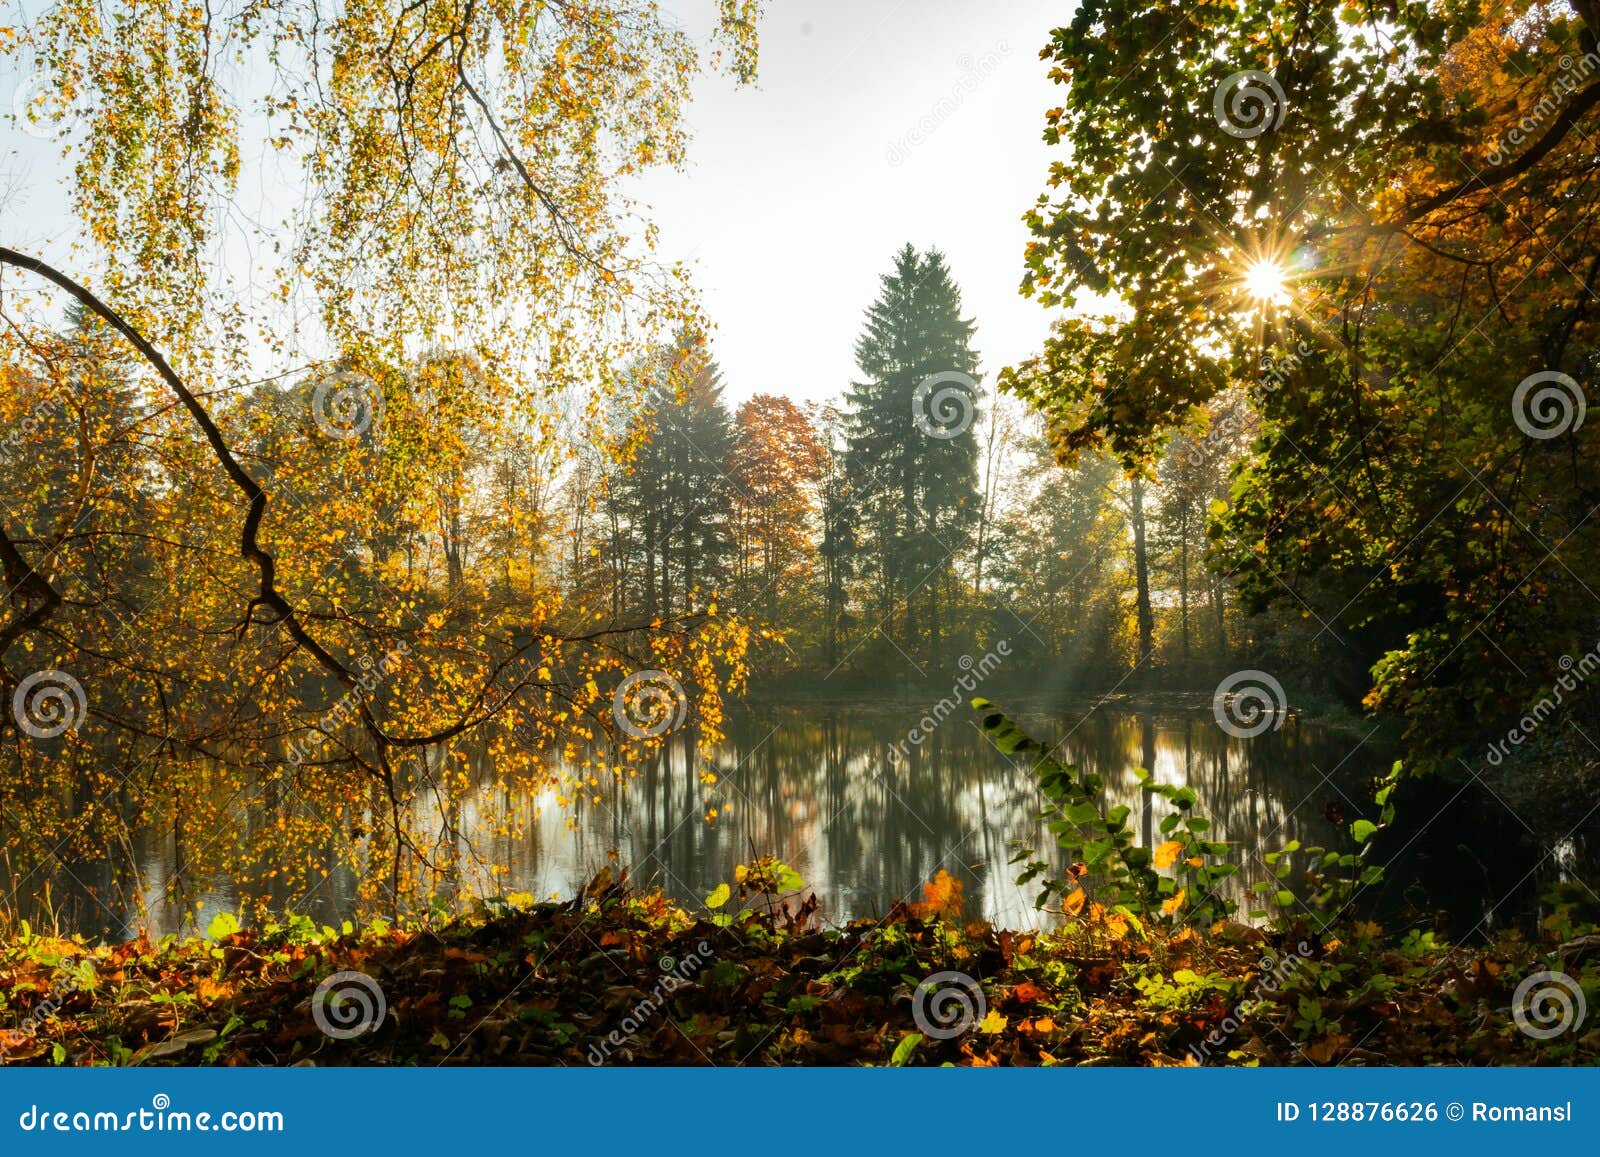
<point>1267,282</point>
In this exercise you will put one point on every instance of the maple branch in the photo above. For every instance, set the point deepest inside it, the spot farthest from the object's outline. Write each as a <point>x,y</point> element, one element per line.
<point>1498,174</point>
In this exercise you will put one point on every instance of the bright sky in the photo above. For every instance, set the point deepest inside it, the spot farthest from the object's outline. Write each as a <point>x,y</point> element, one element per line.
<point>875,122</point>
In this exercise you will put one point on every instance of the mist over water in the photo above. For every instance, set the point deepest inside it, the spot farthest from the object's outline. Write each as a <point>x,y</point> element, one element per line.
<point>866,818</point>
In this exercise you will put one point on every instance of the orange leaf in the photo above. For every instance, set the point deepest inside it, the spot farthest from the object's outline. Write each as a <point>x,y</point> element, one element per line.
<point>1167,854</point>
<point>1073,904</point>
<point>1172,905</point>
<point>941,897</point>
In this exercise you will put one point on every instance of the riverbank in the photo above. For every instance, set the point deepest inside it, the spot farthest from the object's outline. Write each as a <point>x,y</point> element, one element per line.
<point>618,977</point>
<point>1045,694</point>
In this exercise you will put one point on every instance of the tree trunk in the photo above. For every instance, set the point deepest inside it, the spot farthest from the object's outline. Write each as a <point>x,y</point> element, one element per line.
<point>1183,583</point>
<point>1141,569</point>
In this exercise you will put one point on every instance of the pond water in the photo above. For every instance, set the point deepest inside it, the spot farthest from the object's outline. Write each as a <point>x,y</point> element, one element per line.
<point>822,789</point>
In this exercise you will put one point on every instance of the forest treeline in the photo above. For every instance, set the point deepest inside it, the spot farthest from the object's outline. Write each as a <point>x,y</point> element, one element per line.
<point>914,519</point>
<point>918,518</point>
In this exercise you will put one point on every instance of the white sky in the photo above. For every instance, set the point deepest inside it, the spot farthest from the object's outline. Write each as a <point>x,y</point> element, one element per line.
<point>874,123</point>
<point>792,207</point>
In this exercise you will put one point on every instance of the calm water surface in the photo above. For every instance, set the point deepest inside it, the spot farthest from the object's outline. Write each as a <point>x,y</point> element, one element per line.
<point>822,789</point>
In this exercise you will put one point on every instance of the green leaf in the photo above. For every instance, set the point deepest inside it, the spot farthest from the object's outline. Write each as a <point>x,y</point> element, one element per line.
<point>222,924</point>
<point>718,897</point>
<point>1095,851</point>
<point>786,878</point>
<point>1362,830</point>
<point>1083,813</point>
<point>902,1051</point>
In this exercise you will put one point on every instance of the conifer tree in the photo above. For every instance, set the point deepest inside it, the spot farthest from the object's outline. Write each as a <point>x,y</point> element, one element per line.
<point>912,456</point>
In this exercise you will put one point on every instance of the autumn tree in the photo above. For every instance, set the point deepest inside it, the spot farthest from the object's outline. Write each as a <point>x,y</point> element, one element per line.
<point>337,631</point>
<point>1394,209</point>
<point>1064,565</point>
<point>775,466</point>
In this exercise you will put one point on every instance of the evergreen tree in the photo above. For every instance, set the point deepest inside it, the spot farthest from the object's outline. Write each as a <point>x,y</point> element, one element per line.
<point>912,457</point>
<point>675,497</point>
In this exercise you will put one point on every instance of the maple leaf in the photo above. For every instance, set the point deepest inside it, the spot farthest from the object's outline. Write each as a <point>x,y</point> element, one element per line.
<point>941,898</point>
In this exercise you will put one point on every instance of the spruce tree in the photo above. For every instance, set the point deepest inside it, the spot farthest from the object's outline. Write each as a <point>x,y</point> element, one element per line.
<point>675,498</point>
<point>913,458</point>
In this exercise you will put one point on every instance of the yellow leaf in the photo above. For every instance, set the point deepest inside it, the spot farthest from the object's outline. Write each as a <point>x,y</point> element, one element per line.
<point>1167,854</point>
<point>993,1024</point>
<point>1172,905</point>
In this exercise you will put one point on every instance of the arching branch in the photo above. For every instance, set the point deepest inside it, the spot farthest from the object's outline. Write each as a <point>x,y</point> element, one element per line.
<point>250,546</point>
<point>1516,166</point>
